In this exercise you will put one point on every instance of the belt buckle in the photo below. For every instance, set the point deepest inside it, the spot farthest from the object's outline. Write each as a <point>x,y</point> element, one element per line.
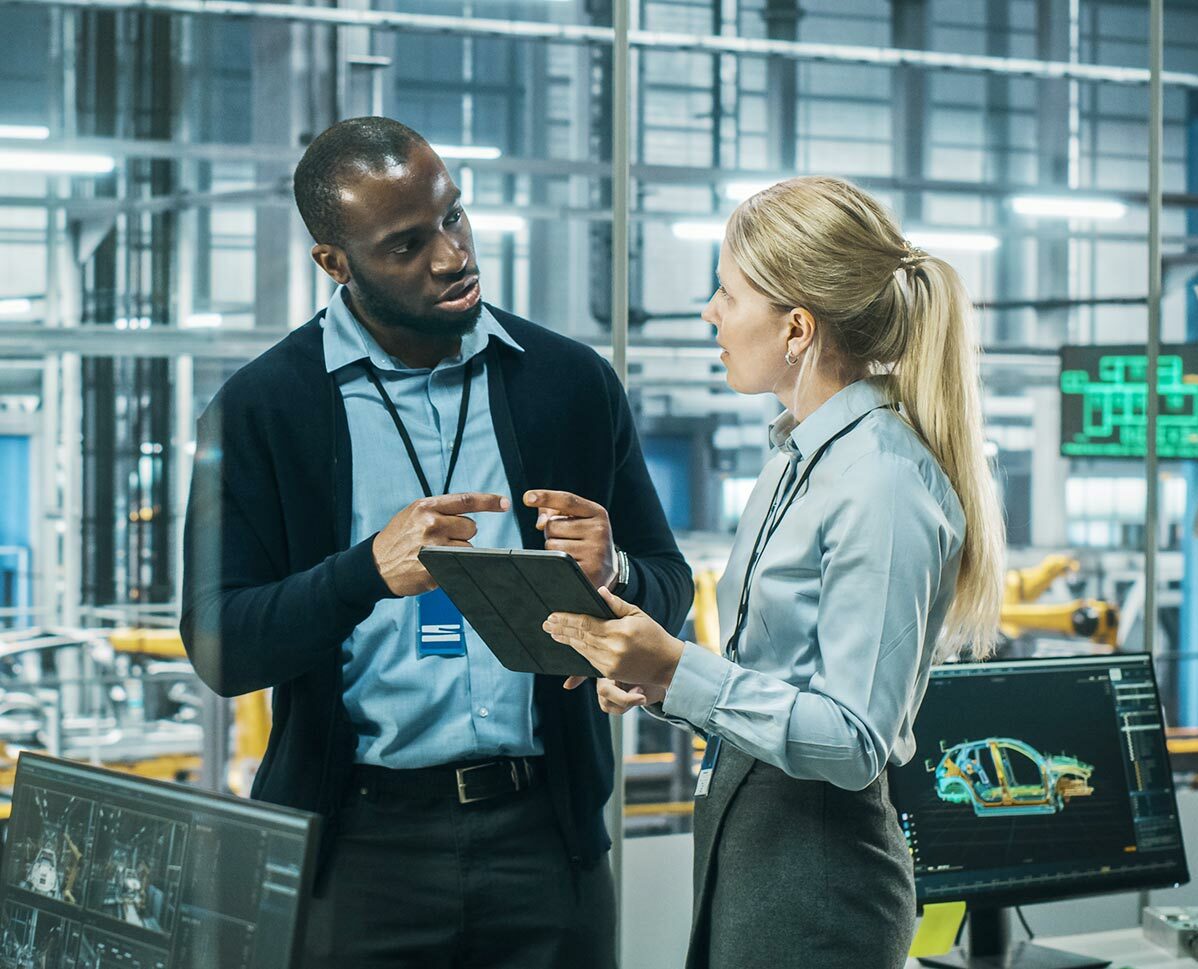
<point>519,783</point>
<point>463,797</point>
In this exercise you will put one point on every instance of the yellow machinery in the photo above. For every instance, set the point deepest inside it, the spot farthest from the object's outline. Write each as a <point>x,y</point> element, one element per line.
<point>1092,619</point>
<point>155,768</point>
<point>707,616</point>
<point>251,712</point>
<point>251,717</point>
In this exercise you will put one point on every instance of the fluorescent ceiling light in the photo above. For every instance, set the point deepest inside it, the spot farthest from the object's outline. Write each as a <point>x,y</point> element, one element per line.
<point>15,307</point>
<point>739,191</point>
<point>34,132</point>
<point>710,231</point>
<point>52,163</point>
<point>469,152</point>
<point>954,241</point>
<point>497,222</point>
<point>203,320</point>
<point>1068,207</point>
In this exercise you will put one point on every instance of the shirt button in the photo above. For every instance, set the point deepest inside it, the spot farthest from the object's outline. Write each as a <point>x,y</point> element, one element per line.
<point>484,712</point>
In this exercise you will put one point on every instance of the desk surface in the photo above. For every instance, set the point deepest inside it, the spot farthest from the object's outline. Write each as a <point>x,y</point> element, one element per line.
<point>1126,948</point>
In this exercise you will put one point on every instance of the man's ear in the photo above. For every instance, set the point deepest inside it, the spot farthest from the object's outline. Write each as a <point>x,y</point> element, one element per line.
<point>333,261</point>
<point>800,330</point>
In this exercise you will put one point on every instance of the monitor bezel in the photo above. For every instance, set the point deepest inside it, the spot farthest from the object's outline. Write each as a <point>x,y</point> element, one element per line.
<point>310,823</point>
<point>1008,896</point>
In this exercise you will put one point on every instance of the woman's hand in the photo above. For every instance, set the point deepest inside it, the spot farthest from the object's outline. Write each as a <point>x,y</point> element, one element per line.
<point>631,648</point>
<point>619,698</point>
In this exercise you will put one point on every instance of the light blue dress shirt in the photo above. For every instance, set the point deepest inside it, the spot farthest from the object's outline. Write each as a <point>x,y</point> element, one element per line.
<point>412,712</point>
<point>846,606</point>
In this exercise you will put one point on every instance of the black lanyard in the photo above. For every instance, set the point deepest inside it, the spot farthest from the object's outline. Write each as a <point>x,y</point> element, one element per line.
<point>784,497</point>
<point>407,438</point>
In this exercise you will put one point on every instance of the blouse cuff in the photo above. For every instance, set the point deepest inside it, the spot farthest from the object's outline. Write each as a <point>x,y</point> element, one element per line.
<point>696,686</point>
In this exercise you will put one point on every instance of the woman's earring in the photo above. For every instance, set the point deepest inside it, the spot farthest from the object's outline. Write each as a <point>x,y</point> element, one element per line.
<point>791,359</point>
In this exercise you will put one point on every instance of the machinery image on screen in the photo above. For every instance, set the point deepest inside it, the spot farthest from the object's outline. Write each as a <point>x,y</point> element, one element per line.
<point>105,869</point>
<point>1036,780</point>
<point>1104,401</point>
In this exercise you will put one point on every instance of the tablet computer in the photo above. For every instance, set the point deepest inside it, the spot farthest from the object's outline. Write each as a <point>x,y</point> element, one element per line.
<point>506,595</point>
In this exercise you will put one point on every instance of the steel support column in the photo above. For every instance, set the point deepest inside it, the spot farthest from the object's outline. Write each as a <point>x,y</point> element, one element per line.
<point>782,88</point>
<point>621,162</point>
<point>909,26</point>
<point>1054,277</point>
<point>1187,673</point>
<point>1156,47</point>
<point>278,113</point>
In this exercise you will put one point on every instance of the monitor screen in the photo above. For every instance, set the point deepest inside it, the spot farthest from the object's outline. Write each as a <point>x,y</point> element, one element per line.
<point>1040,779</point>
<point>105,869</point>
<point>1104,400</point>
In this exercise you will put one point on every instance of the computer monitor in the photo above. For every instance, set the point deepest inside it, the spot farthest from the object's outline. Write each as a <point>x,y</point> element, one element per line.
<point>1104,395</point>
<point>104,869</point>
<point>1036,780</point>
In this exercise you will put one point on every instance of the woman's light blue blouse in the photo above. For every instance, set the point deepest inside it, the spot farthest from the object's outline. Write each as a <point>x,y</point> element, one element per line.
<point>847,602</point>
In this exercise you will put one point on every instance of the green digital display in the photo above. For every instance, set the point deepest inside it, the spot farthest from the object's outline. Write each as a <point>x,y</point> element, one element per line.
<point>1104,402</point>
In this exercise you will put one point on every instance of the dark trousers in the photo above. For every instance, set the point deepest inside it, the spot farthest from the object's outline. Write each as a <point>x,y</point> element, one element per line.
<point>435,884</point>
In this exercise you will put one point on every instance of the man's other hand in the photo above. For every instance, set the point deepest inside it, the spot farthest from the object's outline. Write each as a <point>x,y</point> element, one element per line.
<point>579,528</point>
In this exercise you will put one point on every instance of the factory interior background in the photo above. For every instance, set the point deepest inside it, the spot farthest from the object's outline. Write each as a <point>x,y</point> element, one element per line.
<point>149,247</point>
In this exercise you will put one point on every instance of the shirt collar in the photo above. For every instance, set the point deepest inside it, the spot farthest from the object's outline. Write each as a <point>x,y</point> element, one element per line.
<point>800,439</point>
<point>347,341</point>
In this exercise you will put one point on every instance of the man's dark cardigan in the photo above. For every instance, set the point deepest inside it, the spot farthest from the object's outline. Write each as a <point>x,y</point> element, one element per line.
<point>271,587</point>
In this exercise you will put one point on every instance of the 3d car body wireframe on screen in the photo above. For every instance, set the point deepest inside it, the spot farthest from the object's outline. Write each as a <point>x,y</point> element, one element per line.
<point>1001,776</point>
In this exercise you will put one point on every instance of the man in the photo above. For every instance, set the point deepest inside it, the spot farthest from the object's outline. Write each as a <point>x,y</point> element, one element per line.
<point>463,801</point>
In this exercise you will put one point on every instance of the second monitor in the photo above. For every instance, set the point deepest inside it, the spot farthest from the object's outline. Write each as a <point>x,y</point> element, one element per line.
<point>1037,780</point>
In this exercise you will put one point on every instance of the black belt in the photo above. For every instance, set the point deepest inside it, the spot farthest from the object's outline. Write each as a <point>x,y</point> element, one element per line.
<point>467,781</point>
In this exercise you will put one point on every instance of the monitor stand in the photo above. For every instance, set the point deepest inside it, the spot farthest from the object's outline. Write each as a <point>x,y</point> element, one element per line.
<point>990,947</point>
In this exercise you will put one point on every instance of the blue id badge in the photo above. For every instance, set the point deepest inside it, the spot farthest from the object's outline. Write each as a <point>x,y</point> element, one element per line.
<point>707,767</point>
<point>442,629</point>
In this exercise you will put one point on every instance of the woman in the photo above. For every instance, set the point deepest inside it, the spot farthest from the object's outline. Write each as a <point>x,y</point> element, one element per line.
<point>870,546</point>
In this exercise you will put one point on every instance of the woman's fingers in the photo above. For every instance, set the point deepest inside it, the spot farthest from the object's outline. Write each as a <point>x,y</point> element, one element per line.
<point>575,631</point>
<point>572,623</point>
<point>568,639</point>
<point>621,608</point>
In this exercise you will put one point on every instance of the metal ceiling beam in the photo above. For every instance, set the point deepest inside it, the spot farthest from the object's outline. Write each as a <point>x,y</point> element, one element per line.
<point>270,196</point>
<point>34,342</point>
<point>661,40</point>
<point>124,148</point>
<point>107,341</point>
<point>257,153</point>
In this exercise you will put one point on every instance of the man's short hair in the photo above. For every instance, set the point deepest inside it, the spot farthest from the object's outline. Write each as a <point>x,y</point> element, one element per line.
<point>351,147</point>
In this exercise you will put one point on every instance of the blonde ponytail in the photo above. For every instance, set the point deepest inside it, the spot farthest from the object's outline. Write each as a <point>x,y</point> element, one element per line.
<point>880,305</point>
<point>937,385</point>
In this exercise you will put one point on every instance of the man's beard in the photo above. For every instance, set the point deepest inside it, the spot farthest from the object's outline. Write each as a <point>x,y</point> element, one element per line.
<point>376,304</point>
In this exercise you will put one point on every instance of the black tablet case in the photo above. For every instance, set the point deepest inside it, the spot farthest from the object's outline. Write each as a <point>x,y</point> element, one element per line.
<point>506,594</point>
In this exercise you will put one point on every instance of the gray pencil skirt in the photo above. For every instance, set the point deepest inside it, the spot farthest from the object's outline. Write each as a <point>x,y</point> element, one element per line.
<point>793,873</point>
